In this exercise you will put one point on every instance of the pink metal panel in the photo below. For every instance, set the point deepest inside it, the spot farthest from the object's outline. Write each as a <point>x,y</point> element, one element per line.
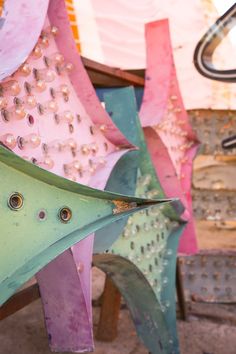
<point>51,116</point>
<point>163,110</point>
<point>16,20</point>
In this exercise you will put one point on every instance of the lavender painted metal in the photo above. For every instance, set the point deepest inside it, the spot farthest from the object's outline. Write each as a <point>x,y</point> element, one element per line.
<point>61,125</point>
<point>162,110</point>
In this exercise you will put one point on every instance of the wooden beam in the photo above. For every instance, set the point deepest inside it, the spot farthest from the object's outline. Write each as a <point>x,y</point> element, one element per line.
<point>109,315</point>
<point>19,301</point>
<point>180,292</point>
<point>106,76</point>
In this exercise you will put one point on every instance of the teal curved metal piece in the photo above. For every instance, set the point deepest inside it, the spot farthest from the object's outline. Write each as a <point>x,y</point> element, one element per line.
<point>149,241</point>
<point>141,300</point>
<point>43,214</point>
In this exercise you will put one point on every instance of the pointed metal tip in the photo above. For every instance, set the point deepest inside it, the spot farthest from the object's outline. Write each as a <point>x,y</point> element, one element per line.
<point>122,206</point>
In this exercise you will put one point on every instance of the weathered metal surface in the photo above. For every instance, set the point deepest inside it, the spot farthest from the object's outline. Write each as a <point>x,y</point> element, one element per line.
<point>206,47</point>
<point>145,310</point>
<point>148,241</point>
<point>213,185</point>
<point>218,205</point>
<point>47,122</point>
<point>163,110</point>
<point>211,127</point>
<point>210,276</point>
<point>64,210</point>
<point>215,173</point>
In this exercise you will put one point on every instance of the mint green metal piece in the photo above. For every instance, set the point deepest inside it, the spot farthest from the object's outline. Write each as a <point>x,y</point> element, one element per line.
<point>34,234</point>
<point>148,244</point>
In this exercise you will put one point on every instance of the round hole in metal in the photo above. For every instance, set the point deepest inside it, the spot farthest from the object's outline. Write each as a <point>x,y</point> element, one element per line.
<point>20,142</point>
<point>42,215</point>
<point>30,119</point>
<point>15,201</point>
<point>65,214</point>
<point>71,128</point>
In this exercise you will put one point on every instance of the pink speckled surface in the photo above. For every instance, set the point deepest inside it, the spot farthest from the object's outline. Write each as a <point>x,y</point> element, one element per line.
<point>71,135</point>
<point>163,110</point>
<point>19,18</point>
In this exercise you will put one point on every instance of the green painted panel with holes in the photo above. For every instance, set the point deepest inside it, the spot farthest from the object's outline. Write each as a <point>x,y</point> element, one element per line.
<point>43,214</point>
<point>149,242</point>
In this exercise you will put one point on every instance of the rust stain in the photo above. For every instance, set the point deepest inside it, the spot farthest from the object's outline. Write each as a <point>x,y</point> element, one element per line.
<point>122,206</point>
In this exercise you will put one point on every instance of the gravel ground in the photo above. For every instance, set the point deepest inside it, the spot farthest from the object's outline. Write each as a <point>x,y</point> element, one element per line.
<point>24,333</point>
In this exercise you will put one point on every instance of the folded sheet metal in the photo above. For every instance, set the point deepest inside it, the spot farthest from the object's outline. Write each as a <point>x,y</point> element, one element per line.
<point>51,116</point>
<point>142,261</point>
<point>174,147</point>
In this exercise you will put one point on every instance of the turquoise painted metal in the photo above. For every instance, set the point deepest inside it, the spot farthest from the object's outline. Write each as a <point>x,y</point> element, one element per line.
<point>43,214</point>
<point>142,261</point>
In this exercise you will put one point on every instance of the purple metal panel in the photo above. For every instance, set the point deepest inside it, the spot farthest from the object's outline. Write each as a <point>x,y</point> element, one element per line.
<point>163,110</point>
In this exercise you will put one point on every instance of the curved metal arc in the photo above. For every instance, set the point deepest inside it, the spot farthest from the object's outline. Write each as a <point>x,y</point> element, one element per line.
<point>168,292</point>
<point>17,163</point>
<point>203,54</point>
<point>23,229</point>
<point>145,310</point>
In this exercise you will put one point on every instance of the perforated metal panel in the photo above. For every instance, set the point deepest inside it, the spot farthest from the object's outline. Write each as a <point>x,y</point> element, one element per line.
<point>214,205</point>
<point>211,127</point>
<point>210,276</point>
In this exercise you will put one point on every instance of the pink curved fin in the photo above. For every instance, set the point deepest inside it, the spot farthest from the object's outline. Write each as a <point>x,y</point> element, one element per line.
<point>163,110</point>
<point>79,78</point>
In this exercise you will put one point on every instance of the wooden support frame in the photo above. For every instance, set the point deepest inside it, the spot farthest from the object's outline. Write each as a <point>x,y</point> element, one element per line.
<point>109,315</point>
<point>19,300</point>
<point>104,76</point>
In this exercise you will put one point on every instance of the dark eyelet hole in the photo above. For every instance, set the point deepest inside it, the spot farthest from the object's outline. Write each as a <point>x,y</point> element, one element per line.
<point>71,128</point>
<point>30,119</point>
<point>42,215</point>
<point>15,201</point>
<point>20,142</point>
<point>91,128</point>
<point>65,214</point>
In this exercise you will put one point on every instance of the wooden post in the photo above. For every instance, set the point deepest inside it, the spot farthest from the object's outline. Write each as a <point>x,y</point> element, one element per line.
<point>180,293</point>
<point>109,315</point>
<point>20,300</point>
